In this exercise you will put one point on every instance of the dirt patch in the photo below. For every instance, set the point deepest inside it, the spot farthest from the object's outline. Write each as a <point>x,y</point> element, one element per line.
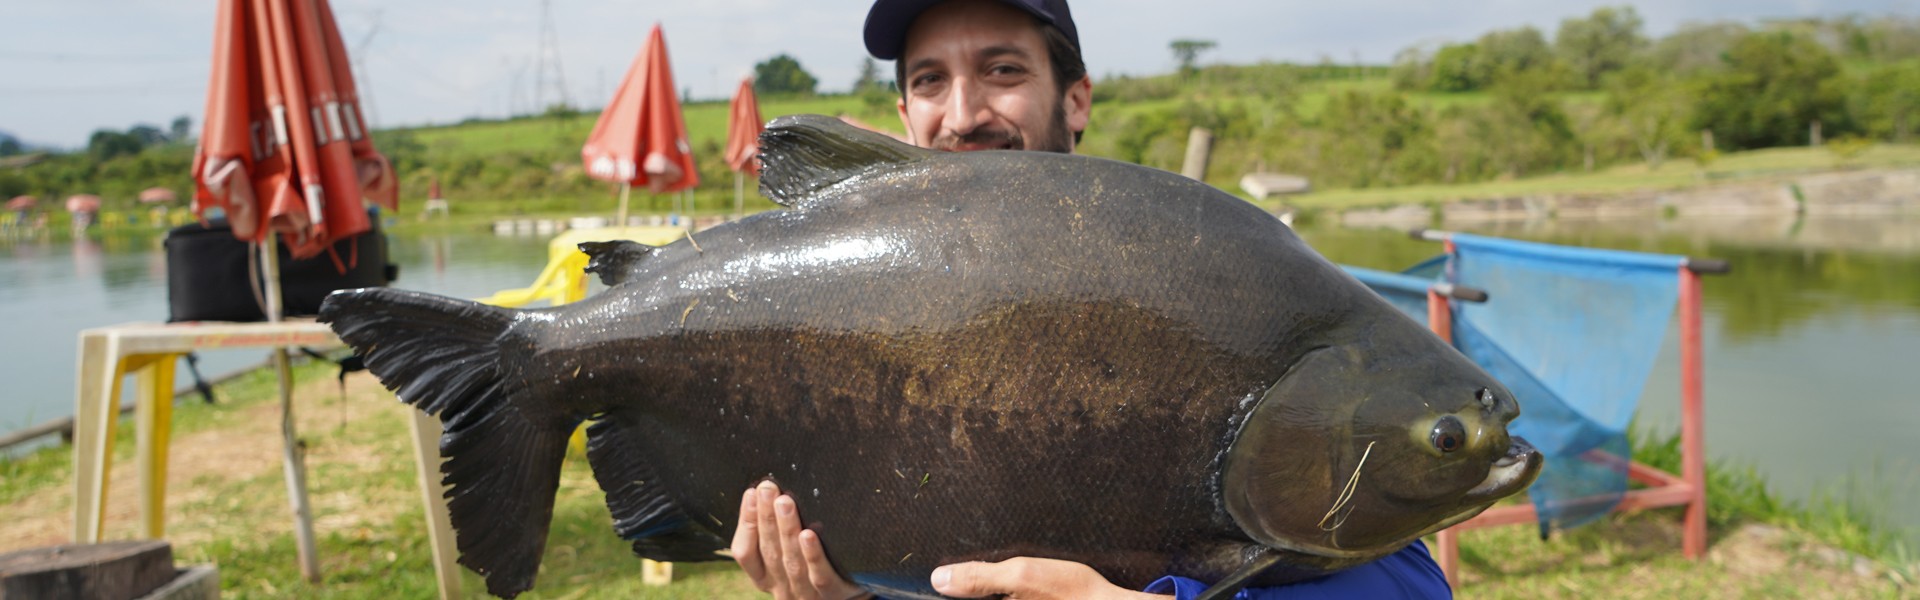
<point>243,454</point>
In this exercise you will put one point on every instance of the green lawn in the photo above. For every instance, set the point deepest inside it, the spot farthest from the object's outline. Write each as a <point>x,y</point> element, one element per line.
<point>1674,174</point>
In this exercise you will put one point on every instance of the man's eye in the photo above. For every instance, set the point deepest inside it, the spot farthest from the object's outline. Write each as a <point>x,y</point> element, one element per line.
<point>1005,70</point>
<point>925,80</point>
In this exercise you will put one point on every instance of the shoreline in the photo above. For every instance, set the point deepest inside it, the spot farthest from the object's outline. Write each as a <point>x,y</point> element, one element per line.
<point>1836,193</point>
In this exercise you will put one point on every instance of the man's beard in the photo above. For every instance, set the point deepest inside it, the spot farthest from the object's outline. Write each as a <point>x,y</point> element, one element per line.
<point>1054,138</point>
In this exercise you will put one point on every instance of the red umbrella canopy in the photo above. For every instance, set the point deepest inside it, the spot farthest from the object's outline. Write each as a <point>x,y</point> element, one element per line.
<point>79,203</point>
<point>285,149</point>
<point>743,130</point>
<point>640,138</point>
<point>157,194</point>
<point>19,203</point>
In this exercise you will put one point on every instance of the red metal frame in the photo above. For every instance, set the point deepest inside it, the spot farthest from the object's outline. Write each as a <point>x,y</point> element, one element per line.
<point>1662,488</point>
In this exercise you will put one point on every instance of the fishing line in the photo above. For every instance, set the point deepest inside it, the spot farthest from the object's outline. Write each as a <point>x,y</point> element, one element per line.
<point>1346,494</point>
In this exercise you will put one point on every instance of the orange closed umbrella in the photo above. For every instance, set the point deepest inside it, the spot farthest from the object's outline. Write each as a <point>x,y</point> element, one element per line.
<point>641,138</point>
<point>743,140</point>
<point>743,130</point>
<point>285,148</point>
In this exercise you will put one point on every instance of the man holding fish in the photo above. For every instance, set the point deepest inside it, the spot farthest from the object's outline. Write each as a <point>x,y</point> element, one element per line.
<point>1003,75</point>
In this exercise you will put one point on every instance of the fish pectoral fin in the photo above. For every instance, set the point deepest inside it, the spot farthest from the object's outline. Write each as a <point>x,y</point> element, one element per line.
<point>614,260</point>
<point>802,154</point>
<point>643,513</point>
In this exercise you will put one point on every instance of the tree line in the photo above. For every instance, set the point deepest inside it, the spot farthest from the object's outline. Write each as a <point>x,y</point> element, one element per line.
<point>1509,103</point>
<point>1514,102</point>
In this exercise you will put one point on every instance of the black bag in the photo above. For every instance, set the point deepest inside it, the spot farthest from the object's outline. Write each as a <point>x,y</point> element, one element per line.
<point>207,274</point>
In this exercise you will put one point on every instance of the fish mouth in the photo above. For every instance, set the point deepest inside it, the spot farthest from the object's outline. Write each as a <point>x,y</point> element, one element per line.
<point>1511,473</point>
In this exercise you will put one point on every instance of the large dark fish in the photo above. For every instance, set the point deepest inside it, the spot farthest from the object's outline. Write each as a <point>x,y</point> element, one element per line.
<point>951,357</point>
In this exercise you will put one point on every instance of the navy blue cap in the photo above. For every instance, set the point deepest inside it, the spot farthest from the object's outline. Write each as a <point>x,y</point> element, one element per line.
<point>887,23</point>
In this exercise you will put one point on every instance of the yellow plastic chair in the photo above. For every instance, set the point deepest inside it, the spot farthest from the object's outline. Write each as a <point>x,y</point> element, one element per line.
<point>564,278</point>
<point>563,281</point>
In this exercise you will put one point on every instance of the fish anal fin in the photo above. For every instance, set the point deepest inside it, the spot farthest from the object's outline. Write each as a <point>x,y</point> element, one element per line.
<point>802,154</point>
<point>614,260</point>
<point>643,512</point>
<point>502,474</point>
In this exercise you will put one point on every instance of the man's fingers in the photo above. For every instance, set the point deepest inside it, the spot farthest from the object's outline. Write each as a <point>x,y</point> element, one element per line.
<point>788,516</point>
<point>819,572</point>
<point>746,541</point>
<point>978,579</point>
<point>769,533</point>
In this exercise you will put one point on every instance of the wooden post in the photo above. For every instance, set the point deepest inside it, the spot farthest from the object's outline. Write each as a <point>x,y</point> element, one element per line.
<point>1693,444</point>
<point>620,217</point>
<point>1199,151</point>
<point>1440,320</point>
<point>433,494</point>
<point>655,573</point>
<point>293,460</point>
<point>1813,134</point>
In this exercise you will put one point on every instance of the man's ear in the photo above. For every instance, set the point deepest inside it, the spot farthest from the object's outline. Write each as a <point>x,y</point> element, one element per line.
<point>901,105</point>
<point>1077,104</point>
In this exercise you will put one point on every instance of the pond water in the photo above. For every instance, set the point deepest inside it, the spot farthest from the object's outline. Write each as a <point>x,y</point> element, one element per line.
<point>1812,343</point>
<point>51,288</point>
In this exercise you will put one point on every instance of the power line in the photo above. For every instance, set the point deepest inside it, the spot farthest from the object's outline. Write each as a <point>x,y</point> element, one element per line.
<point>84,57</point>
<point>365,85</point>
<point>159,85</point>
<point>547,61</point>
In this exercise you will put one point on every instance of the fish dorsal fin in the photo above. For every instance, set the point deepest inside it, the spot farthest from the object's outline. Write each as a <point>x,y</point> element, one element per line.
<point>803,154</point>
<point>614,261</point>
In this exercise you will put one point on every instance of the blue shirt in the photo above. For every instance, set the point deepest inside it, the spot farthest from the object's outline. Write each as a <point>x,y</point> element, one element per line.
<point>1409,573</point>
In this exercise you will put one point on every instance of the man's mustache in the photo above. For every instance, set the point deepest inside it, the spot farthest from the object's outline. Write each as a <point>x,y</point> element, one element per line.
<point>989,137</point>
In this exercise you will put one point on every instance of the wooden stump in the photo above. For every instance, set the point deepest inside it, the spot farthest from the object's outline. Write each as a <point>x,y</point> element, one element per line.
<point>111,571</point>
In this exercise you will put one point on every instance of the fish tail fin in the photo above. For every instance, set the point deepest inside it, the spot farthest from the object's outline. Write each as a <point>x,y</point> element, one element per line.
<point>502,448</point>
<point>643,513</point>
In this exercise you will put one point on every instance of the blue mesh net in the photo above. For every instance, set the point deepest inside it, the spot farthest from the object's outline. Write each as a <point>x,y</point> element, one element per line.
<point>1573,332</point>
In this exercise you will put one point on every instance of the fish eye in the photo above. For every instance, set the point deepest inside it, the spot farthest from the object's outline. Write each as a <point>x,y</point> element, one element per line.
<point>1449,434</point>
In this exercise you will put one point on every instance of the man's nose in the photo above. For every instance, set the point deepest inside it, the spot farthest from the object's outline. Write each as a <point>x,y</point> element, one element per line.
<point>966,107</point>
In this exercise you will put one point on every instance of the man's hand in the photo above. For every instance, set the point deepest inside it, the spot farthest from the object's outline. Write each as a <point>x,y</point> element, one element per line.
<point>779,556</point>
<point>1030,579</point>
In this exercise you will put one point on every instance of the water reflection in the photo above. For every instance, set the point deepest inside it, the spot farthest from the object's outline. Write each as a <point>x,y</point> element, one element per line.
<point>1783,274</point>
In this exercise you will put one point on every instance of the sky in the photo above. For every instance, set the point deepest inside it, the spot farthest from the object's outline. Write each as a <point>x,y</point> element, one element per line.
<point>72,67</point>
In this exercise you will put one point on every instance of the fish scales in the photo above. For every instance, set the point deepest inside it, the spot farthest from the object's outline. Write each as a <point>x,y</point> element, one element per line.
<point>963,357</point>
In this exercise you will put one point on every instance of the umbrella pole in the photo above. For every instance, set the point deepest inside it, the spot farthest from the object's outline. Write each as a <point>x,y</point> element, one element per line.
<point>689,209</point>
<point>292,456</point>
<point>739,194</point>
<point>621,218</point>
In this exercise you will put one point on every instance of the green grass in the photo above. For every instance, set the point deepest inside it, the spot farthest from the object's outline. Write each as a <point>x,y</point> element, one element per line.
<point>562,137</point>
<point>1673,174</point>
